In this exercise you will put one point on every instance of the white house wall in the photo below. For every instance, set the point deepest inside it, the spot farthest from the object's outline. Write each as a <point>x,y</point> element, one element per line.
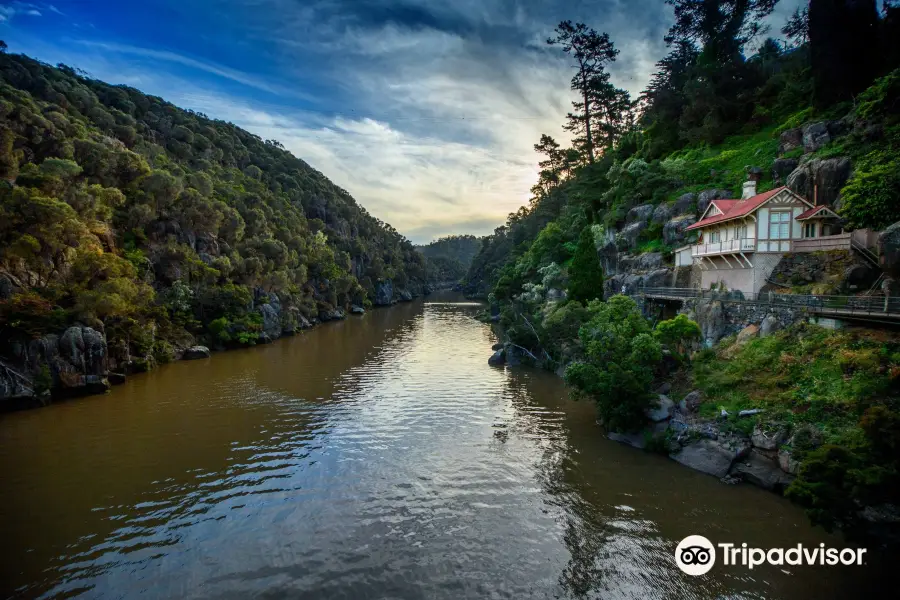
<point>746,279</point>
<point>797,228</point>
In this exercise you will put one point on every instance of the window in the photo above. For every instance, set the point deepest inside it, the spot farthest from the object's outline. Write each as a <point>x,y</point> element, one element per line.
<point>809,230</point>
<point>742,231</point>
<point>714,237</point>
<point>780,225</point>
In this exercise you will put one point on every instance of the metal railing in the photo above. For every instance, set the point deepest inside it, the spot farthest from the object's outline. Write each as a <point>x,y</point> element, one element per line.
<point>823,304</point>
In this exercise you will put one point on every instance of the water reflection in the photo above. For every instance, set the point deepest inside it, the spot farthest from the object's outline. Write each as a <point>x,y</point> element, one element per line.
<point>375,457</point>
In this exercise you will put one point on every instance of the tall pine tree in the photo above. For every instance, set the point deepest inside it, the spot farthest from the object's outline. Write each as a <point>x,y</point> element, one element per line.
<point>586,272</point>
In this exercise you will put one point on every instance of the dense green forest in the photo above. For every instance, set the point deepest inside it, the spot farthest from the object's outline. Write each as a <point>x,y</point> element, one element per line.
<point>450,257</point>
<point>161,227</point>
<point>725,101</point>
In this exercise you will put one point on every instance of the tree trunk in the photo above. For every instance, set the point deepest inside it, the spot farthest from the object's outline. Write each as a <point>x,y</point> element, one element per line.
<point>587,119</point>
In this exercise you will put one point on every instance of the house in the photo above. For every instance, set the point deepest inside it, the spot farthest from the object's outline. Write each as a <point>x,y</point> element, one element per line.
<point>741,241</point>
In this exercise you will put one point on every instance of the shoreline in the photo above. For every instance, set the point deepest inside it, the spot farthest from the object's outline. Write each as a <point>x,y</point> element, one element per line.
<point>97,385</point>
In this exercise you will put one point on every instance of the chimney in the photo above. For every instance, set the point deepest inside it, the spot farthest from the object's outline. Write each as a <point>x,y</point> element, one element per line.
<point>749,189</point>
<point>754,174</point>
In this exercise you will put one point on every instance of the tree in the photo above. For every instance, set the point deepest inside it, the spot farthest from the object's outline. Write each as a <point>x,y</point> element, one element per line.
<point>796,29</point>
<point>592,52</point>
<point>618,369</point>
<point>677,333</point>
<point>3,47</point>
<point>586,272</point>
<point>843,40</point>
<point>720,27</point>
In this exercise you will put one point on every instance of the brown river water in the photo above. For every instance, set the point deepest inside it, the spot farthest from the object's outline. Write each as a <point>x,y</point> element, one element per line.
<point>378,457</point>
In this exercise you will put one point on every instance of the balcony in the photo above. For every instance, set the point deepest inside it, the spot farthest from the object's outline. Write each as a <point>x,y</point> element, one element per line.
<point>727,247</point>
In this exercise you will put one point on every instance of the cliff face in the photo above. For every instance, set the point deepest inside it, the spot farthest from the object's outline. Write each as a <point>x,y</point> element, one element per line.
<point>153,229</point>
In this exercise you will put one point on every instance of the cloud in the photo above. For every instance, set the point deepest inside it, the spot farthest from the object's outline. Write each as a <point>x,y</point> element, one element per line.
<point>18,8</point>
<point>425,110</point>
<point>421,185</point>
<point>208,67</point>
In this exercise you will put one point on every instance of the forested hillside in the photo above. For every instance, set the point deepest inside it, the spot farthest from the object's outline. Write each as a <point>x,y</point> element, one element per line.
<point>820,114</point>
<point>161,227</point>
<point>450,257</point>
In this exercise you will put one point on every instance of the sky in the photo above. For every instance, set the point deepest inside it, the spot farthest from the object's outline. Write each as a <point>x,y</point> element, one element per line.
<point>426,111</point>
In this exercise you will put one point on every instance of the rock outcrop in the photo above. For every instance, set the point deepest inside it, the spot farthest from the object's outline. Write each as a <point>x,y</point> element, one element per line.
<point>889,249</point>
<point>820,180</point>
<point>762,471</point>
<point>675,230</point>
<point>384,293</point>
<point>196,353</point>
<point>640,214</point>
<point>662,411</point>
<point>782,169</point>
<point>714,457</point>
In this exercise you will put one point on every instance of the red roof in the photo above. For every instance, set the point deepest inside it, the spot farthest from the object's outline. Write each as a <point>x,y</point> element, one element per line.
<point>733,209</point>
<point>813,211</point>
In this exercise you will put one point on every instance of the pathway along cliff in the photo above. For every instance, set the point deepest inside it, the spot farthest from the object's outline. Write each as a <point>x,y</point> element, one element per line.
<point>374,457</point>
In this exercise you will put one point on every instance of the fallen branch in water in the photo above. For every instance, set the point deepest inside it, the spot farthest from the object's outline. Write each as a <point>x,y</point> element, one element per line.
<point>526,351</point>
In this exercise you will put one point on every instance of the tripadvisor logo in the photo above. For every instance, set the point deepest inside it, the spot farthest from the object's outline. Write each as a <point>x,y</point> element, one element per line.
<point>696,555</point>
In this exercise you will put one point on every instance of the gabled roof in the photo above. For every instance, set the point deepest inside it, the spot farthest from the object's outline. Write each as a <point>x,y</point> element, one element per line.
<point>820,211</point>
<point>735,209</point>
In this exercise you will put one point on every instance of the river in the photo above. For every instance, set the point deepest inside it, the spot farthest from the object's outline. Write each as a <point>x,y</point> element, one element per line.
<point>377,457</point>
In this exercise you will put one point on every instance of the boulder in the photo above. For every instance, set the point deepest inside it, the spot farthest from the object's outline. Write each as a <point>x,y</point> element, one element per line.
<point>711,318</point>
<point>663,213</point>
<point>271,317</point>
<point>627,238</point>
<point>783,167</point>
<point>498,358</point>
<point>497,346</point>
<point>707,196</point>
<point>889,249</point>
<point>663,410</point>
<point>84,349</point>
<point>640,213</point>
<point>116,378</point>
<point>815,136</point>
<point>761,471</point>
<point>769,325</point>
<point>195,353</point>
<point>787,462</point>
<point>675,230</point>
<point>684,204</point>
<point>405,296</point>
<point>746,334</point>
<point>635,440</point>
<point>790,139</point>
<point>384,293</point>
<point>657,278</point>
<point>709,456</point>
<point>821,178</point>
<point>691,402</point>
<point>609,258</point>
<point>665,388</point>
<point>6,287</point>
<point>357,310</point>
<point>767,440</point>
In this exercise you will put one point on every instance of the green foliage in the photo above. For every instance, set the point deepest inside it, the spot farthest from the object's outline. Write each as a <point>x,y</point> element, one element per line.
<point>835,390</point>
<point>621,355</point>
<point>586,273</point>
<point>110,194</point>
<point>870,197</point>
<point>677,333</point>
